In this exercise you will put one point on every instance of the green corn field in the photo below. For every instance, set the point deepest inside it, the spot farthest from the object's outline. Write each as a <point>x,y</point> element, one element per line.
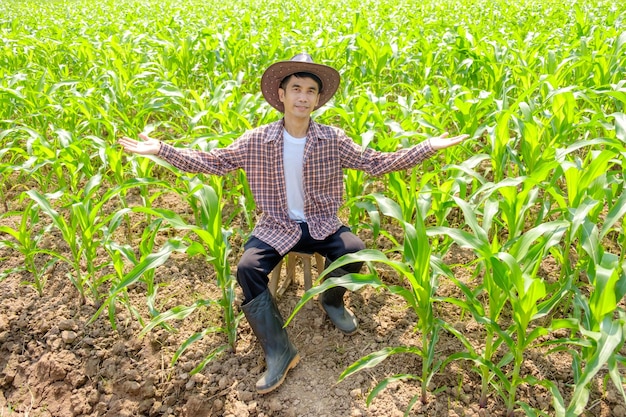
<point>539,86</point>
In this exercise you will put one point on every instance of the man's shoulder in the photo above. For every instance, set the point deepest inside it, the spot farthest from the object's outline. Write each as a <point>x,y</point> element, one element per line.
<point>326,131</point>
<point>266,131</point>
<point>277,125</point>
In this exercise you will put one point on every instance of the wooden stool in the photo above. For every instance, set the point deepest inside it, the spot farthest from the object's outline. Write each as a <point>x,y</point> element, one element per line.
<point>292,258</point>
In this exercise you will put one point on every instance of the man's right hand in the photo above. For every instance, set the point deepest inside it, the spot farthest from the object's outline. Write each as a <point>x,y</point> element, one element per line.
<point>146,146</point>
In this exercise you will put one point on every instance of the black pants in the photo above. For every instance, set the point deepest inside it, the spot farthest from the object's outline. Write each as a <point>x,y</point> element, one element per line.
<point>259,258</point>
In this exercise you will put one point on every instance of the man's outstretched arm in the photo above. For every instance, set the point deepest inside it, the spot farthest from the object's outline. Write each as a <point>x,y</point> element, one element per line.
<point>218,161</point>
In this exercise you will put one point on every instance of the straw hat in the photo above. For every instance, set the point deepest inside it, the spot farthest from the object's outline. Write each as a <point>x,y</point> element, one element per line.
<point>272,77</point>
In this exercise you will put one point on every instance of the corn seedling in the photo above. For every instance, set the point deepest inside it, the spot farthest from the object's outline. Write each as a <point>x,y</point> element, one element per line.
<point>193,247</point>
<point>26,239</point>
<point>599,321</point>
<point>420,270</point>
<point>83,230</point>
<point>120,254</point>
<point>146,264</point>
<point>206,202</point>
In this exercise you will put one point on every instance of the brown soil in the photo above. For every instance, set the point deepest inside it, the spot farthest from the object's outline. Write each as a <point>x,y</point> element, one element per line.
<point>53,364</point>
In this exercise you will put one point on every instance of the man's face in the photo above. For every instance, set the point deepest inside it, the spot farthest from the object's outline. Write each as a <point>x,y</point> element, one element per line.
<point>300,96</point>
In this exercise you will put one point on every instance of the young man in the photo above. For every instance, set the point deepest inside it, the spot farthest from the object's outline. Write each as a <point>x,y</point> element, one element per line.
<point>295,170</point>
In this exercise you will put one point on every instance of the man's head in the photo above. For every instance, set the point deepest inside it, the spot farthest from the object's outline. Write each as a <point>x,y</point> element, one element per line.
<point>299,94</point>
<point>281,74</point>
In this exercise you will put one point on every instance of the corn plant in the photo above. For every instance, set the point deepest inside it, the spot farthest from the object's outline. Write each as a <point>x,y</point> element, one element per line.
<point>205,199</point>
<point>400,190</point>
<point>122,254</point>
<point>354,185</point>
<point>589,190</point>
<point>462,180</point>
<point>67,229</point>
<point>119,255</point>
<point>603,328</point>
<point>12,158</point>
<point>510,277</point>
<point>485,244</point>
<point>599,323</point>
<point>179,313</point>
<point>214,246</point>
<point>26,239</point>
<point>83,230</point>
<point>419,269</point>
<point>146,265</point>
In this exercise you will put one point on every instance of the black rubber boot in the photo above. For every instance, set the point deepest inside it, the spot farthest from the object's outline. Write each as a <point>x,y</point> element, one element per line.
<point>331,301</point>
<point>267,324</point>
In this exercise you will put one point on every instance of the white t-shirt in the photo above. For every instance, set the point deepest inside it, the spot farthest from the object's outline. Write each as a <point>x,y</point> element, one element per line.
<point>293,155</point>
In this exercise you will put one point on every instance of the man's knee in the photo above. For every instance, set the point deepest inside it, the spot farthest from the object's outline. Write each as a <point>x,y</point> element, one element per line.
<point>352,243</point>
<point>244,265</point>
<point>250,277</point>
<point>358,245</point>
<point>247,268</point>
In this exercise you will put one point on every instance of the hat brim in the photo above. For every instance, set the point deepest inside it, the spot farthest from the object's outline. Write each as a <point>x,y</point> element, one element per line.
<point>270,81</point>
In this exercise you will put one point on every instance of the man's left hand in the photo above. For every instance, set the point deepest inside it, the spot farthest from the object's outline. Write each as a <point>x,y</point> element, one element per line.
<point>443,141</point>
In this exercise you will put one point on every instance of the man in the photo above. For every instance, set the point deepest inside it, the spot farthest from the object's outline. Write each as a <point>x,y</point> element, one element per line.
<point>295,170</point>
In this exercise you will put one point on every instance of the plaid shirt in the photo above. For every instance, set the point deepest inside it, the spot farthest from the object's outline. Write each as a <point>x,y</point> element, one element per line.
<point>327,152</point>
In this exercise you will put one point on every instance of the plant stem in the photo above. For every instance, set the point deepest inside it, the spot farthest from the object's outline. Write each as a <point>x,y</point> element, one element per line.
<point>485,373</point>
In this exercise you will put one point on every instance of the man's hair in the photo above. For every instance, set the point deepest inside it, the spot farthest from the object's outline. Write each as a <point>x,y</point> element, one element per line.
<point>314,77</point>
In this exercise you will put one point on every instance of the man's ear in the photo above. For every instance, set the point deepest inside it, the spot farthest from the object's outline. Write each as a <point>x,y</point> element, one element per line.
<point>281,95</point>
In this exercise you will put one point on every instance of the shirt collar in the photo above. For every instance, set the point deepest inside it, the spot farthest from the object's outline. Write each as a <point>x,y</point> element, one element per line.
<point>275,131</point>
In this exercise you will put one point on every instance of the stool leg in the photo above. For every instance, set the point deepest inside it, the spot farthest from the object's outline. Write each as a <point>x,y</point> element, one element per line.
<point>275,278</point>
<point>306,269</point>
<point>319,263</point>
<point>291,272</point>
<point>277,288</point>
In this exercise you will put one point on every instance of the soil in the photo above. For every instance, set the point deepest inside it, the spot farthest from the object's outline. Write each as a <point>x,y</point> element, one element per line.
<point>53,363</point>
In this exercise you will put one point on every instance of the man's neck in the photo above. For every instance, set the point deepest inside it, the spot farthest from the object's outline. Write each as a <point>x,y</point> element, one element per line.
<point>297,127</point>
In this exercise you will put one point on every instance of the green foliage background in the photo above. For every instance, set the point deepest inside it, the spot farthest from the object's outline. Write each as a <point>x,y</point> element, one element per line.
<point>539,87</point>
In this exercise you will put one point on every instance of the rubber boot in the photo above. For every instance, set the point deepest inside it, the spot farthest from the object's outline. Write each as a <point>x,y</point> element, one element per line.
<point>267,324</point>
<point>331,301</point>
